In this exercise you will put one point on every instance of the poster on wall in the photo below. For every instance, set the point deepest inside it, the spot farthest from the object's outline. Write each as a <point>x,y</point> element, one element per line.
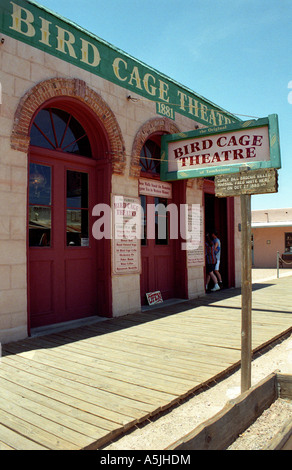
<point>126,241</point>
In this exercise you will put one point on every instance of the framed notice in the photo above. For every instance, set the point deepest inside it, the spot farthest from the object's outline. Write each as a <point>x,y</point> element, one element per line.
<point>126,243</point>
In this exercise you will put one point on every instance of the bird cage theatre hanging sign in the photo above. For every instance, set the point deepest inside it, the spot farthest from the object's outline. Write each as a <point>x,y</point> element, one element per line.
<point>223,150</point>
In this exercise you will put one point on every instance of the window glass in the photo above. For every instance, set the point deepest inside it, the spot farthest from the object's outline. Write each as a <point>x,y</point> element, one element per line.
<point>40,214</point>
<point>288,242</point>
<point>150,157</point>
<point>161,221</point>
<point>143,221</point>
<point>77,209</point>
<point>56,129</point>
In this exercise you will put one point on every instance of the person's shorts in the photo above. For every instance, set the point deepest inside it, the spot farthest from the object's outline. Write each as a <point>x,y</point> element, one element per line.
<point>217,265</point>
<point>210,268</point>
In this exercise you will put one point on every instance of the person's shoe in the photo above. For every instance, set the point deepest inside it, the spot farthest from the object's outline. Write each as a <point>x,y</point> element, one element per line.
<point>216,287</point>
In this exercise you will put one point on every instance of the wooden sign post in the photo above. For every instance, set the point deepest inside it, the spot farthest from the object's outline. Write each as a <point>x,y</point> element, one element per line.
<point>245,184</point>
<point>246,293</point>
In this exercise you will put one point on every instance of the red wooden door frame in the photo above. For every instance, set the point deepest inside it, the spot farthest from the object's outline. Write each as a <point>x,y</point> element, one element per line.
<point>209,188</point>
<point>179,259</point>
<point>59,255</point>
<point>100,149</point>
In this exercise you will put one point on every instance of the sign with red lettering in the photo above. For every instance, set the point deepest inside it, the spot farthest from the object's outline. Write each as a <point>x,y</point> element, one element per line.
<point>154,298</point>
<point>126,241</point>
<point>226,149</point>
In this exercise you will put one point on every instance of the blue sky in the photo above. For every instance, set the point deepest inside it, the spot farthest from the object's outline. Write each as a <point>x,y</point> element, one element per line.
<point>236,53</point>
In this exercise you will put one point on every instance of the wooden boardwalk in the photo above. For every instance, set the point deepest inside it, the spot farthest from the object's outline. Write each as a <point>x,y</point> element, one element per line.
<point>80,388</point>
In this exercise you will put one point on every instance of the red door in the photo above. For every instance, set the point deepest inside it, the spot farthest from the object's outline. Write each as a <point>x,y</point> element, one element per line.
<point>62,251</point>
<point>157,253</point>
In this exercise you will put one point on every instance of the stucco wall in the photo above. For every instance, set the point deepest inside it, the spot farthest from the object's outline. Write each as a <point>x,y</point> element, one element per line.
<point>267,241</point>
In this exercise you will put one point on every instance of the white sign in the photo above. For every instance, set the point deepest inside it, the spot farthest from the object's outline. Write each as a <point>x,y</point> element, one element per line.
<point>154,298</point>
<point>243,146</point>
<point>148,187</point>
<point>218,150</point>
<point>126,239</point>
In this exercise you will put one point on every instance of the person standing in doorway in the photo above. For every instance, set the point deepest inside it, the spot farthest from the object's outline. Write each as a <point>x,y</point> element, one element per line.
<point>210,263</point>
<point>217,249</point>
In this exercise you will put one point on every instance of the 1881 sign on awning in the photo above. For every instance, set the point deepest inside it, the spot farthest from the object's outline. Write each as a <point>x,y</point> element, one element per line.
<point>221,150</point>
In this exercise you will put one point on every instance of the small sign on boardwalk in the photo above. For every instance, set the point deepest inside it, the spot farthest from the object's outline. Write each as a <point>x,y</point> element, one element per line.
<point>154,298</point>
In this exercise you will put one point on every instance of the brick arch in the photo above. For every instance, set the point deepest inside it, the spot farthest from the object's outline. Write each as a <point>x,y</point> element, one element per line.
<point>73,88</point>
<point>153,126</point>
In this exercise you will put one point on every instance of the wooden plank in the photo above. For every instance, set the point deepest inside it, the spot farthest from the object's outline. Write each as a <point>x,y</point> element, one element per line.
<point>136,370</point>
<point>36,395</point>
<point>31,431</point>
<point>162,389</point>
<point>40,420</point>
<point>285,385</point>
<point>117,373</point>
<point>283,438</point>
<point>220,431</point>
<point>4,446</point>
<point>105,405</point>
<point>16,441</point>
<point>138,395</point>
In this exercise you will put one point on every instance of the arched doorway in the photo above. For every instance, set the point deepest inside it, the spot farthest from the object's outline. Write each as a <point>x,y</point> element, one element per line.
<point>163,263</point>
<point>68,175</point>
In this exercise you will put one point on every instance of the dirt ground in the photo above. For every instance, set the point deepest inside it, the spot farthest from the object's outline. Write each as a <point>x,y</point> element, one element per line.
<point>163,431</point>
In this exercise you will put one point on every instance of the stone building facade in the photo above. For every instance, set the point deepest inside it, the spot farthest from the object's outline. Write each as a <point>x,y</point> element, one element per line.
<point>57,78</point>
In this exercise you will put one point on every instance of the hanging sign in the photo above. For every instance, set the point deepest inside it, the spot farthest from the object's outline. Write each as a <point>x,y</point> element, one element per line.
<point>247,182</point>
<point>220,150</point>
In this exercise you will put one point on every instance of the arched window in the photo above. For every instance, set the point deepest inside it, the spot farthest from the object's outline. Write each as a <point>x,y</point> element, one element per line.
<point>150,157</point>
<point>56,129</point>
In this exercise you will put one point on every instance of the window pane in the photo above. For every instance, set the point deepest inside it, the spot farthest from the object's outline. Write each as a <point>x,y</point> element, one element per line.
<point>77,227</point>
<point>143,221</point>
<point>150,157</point>
<point>39,184</point>
<point>56,129</point>
<point>288,242</point>
<point>39,226</point>
<point>161,222</point>
<point>75,140</point>
<point>77,189</point>
<point>60,120</point>
<point>46,138</point>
